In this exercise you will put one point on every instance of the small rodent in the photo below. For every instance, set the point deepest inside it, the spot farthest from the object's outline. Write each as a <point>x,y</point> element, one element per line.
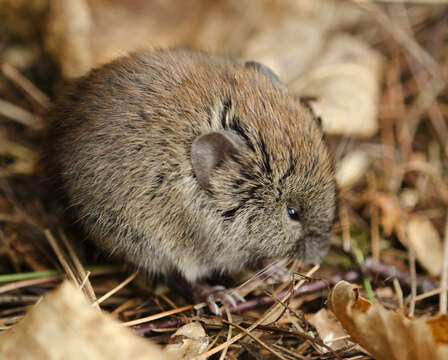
<point>188,162</point>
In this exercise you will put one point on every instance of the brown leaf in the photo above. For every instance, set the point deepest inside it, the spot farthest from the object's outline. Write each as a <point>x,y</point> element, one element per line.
<point>65,326</point>
<point>328,328</point>
<point>385,334</point>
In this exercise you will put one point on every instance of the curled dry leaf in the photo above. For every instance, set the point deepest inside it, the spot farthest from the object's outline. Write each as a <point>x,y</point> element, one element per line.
<point>385,334</point>
<point>329,329</point>
<point>426,243</point>
<point>188,341</point>
<point>65,326</point>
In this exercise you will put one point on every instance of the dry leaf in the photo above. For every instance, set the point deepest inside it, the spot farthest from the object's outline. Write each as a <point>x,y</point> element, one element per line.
<point>328,329</point>
<point>65,326</point>
<point>346,85</point>
<point>288,48</point>
<point>188,341</point>
<point>351,168</point>
<point>385,334</point>
<point>426,243</point>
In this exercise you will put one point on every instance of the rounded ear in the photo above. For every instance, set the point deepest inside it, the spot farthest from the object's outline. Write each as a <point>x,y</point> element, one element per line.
<point>209,151</point>
<point>266,71</point>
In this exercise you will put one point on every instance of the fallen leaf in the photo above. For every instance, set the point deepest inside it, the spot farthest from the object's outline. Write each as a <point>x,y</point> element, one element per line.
<point>385,334</point>
<point>188,341</point>
<point>329,329</point>
<point>65,326</point>
<point>426,243</point>
<point>345,81</point>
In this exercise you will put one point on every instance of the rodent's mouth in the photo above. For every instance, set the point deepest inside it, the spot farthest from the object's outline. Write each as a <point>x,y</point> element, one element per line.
<point>310,250</point>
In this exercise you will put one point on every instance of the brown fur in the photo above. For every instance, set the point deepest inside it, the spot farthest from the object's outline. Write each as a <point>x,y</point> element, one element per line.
<point>121,140</point>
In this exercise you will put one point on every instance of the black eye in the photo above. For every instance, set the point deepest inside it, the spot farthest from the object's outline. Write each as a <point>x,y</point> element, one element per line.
<point>293,213</point>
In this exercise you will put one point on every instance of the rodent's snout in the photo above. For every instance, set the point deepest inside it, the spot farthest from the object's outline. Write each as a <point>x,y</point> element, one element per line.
<point>314,248</point>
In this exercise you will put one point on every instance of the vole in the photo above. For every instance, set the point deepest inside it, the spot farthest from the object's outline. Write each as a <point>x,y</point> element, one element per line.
<point>186,162</point>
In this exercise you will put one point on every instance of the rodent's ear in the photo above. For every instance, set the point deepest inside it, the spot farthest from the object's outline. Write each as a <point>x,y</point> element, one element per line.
<point>266,71</point>
<point>305,101</point>
<point>209,151</point>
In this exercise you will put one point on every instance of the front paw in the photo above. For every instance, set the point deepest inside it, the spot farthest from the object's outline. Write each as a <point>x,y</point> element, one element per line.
<point>214,294</point>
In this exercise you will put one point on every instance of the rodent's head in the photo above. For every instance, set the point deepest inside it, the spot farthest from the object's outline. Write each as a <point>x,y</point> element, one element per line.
<point>268,171</point>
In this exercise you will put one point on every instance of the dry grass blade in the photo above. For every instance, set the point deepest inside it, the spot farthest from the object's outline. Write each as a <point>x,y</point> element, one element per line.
<point>20,115</point>
<point>26,85</point>
<point>158,316</point>
<point>115,289</point>
<point>444,277</point>
<point>79,268</point>
<point>229,333</point>
<point>63,259</point>
<point>24,283</point>
<point>405,40</point>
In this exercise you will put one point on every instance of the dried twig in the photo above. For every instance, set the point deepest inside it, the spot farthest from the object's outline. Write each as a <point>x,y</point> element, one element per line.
<point>444,277</point>
<point>20,115</point>
<point>26,85</point>
<point>115,289</point>
<point>413,282</point>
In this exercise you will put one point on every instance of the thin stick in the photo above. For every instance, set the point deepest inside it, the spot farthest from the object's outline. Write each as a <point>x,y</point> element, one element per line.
<point>20,115</point>
<point>79,268</point>
<point>115,289</point>
<point>428,294</point>
<point>21,284</point>
<point>125,305</point>
<point>262,343</point>
<point>229,334</point>
<point>61,256</point>
<point>403,38</point>
<point>158,316</point>
<point>413,282</point>
<point>398,294</point>
<point>22,82</point>
<point>444,279</point>
<point>86,279</point>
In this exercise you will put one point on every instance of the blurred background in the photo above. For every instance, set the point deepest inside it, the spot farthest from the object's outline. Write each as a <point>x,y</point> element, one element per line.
<point>375,71</point>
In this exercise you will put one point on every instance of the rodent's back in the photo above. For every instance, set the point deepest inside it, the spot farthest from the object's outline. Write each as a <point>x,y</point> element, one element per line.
<point>122,139</point>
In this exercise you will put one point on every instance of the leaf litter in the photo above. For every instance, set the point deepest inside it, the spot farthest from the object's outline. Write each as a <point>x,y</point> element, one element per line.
<point>375,72</point>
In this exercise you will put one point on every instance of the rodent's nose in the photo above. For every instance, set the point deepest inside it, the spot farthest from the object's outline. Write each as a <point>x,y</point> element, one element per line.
<point>316,247</point>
